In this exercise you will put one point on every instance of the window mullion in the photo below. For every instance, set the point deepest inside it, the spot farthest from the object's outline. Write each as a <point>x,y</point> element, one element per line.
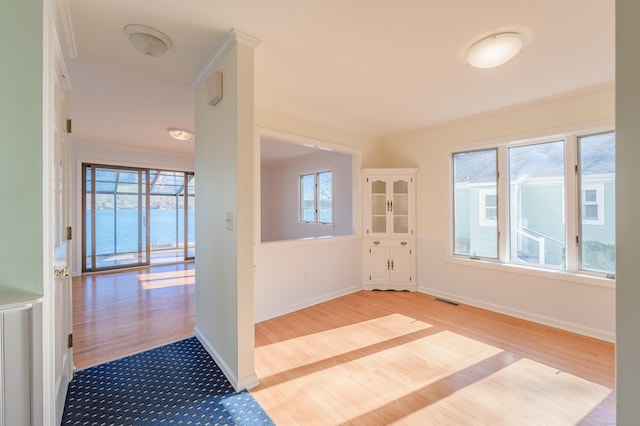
<point>503,205</point>
<point>572,210</point>
<point>316,197</point>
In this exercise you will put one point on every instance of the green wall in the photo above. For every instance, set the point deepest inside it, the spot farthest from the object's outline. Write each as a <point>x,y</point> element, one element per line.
<point>21,245</point>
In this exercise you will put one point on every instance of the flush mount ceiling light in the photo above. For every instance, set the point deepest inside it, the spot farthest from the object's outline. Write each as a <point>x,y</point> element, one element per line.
<point>147,40</point>
<point>495,50</point>
<point>180,134</point>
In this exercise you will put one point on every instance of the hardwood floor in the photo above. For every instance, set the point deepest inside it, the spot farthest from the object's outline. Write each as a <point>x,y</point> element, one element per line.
<point>370,358</point>
<point>378,358</point>
<point>119,313</point>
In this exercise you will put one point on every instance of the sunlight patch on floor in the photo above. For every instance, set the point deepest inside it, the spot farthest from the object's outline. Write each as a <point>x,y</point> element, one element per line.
<point>377,362</point>
<point>315,348</point>
<point>524,393</point>
<point>155,280</point>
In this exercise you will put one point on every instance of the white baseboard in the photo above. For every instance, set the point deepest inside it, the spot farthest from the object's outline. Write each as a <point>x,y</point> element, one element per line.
<point>552,322</point>
<point>305,304</point>
<point>242,383</point>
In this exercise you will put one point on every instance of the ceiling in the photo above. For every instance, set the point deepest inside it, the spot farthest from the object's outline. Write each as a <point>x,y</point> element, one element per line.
<point>373,67</point>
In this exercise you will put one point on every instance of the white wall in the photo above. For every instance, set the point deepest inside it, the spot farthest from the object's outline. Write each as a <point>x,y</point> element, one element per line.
<point>113,155</point>
<point>292,275</point>
<point>280,207</point>
<point>586,306</point>
<point>628,205</point>
<point>224,166</point>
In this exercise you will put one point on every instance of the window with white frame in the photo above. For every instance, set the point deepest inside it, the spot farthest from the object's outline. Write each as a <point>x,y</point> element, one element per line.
<point>540,182</point>
<point>536,185</point>
<point>597,249</point>
<point>592,204</point>
<point>316,200</point>
<point>474,188</point>
<point>488,207</point>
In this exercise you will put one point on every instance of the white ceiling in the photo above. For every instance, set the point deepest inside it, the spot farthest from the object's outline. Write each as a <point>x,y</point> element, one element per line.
<point>375,67</point>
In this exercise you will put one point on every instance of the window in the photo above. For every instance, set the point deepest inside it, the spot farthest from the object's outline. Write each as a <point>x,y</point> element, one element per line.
<point>592,204</point>
<point>488,207</point>
<point>541,181</point>
<point>316,204</point>
<point>475,181</point>
<point>536,199</point>
<point>597,203</point>
<point>136,216</point>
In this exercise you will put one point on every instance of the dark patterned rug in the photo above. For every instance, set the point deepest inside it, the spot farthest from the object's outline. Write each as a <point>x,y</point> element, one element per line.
<point>174,384</point>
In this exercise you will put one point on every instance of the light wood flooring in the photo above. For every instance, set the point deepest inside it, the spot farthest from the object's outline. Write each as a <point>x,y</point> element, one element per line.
<point>371,358</point>
<point>120,313</point>
<point>378,358</point>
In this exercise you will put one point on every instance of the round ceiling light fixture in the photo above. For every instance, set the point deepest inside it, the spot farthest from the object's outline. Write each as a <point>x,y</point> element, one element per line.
<point>495,50</point>
<point>147,40</point>
<point>180,134</point>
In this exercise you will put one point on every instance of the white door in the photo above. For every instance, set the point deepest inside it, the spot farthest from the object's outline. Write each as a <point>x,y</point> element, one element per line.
<point>60,222</point>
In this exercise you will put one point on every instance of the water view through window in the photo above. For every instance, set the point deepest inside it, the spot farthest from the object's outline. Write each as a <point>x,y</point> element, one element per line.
<point>137,217</point>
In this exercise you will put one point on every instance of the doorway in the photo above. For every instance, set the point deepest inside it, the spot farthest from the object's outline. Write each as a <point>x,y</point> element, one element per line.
<point>136,217</point>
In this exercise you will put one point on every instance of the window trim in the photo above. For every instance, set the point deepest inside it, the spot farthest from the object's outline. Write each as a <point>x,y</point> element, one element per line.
<point>571,271</point>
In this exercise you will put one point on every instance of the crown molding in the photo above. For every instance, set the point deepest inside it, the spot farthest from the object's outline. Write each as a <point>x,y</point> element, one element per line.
<point>233,38</point>
<point>63,20</point>
<point>245,39</point>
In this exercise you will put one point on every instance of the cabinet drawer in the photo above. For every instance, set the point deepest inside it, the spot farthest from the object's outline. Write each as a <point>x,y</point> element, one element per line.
<point>374,242</point>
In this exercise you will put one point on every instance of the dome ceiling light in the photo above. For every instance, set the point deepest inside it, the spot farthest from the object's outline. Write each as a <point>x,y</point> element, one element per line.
<point>180,134</point>
<point>147,40</point>
<point>495,50</point>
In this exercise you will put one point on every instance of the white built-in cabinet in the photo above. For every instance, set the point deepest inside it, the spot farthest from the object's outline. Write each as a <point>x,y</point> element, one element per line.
<point>388,244</point>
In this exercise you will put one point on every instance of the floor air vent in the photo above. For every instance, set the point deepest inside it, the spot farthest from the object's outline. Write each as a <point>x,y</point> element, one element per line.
<point>447,301</point>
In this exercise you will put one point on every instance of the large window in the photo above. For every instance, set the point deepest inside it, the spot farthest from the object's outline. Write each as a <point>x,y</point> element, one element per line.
<point>476,203</point>
<point>136,216</point>
<point>557,198</point>
<point>536,204</point>
<point>316,205</point>
<point>597,202</point>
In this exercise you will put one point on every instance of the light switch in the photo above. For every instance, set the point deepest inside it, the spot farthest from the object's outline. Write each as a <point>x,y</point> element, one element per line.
<point>229,221</point>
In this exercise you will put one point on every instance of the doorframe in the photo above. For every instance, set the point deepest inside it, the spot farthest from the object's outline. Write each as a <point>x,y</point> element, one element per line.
<point>44,399</point>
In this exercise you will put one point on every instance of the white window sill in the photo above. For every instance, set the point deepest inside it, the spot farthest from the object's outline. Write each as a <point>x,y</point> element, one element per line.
<point>552,274</point>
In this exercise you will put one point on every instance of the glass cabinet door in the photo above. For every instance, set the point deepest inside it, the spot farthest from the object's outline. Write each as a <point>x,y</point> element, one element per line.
<point>400,206</point>
<point>379,206</point>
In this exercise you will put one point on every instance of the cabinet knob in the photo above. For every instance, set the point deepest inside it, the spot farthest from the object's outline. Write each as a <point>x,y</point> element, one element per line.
<point>403,243</point>
<point>375,243</point>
